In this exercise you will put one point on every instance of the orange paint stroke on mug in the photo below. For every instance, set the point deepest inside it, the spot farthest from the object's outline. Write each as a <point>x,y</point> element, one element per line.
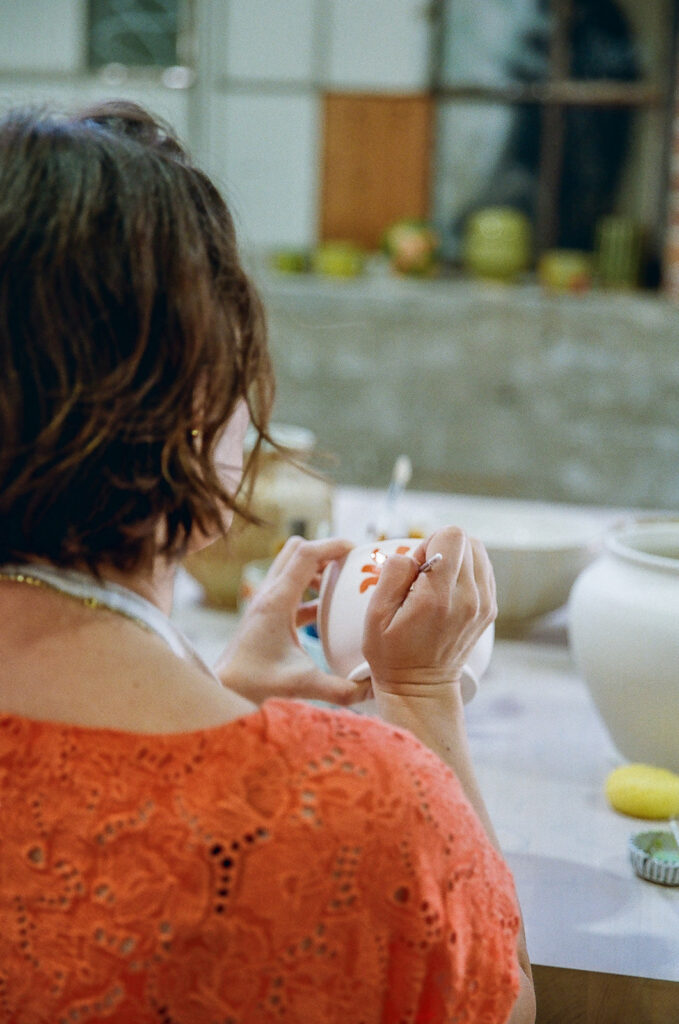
<point>374,568</point>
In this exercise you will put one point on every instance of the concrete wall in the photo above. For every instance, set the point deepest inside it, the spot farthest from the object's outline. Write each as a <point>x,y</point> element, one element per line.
<point>489,390</point>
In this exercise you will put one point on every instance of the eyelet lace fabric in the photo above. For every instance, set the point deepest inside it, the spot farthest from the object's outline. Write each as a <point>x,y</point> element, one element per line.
<point>297,865</point>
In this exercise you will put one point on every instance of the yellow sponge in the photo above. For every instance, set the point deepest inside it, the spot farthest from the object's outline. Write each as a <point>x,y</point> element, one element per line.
<point>643,791</point>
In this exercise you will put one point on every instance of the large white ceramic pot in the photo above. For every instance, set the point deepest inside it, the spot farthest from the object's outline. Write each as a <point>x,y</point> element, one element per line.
<point>624,634</point>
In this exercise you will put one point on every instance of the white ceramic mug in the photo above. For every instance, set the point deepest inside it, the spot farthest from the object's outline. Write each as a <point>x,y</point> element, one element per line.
<point>346,589</point>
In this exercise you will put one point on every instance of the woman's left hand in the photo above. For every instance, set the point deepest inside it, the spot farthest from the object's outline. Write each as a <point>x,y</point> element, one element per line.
<point>265,658</point>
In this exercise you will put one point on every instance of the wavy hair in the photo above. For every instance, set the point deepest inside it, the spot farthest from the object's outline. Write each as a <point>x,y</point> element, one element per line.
<point>126,321</point>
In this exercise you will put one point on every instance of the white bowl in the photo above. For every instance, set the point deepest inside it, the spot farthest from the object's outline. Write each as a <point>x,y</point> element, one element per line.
<point>536,551</point>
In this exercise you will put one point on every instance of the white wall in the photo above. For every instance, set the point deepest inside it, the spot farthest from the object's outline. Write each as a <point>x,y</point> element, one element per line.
<point>42,61</point>
<point>253,116</point>
<point>269,63</point>
<point>41,35</point>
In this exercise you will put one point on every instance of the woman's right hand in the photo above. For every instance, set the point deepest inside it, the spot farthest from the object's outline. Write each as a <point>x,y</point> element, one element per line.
<point>420,627</point>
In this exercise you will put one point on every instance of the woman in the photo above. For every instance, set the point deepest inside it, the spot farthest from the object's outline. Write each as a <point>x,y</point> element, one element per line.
<point>183,844</point>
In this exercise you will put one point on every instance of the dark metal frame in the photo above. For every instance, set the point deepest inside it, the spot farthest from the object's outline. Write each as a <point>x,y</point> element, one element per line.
<point>553,96</point>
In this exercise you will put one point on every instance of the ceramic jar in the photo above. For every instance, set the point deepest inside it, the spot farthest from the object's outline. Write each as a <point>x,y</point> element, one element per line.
<point>565,270</point>
<point>618,252</point>
<point>288,499</point>
<point>497,243</point>
<point>624,635</point>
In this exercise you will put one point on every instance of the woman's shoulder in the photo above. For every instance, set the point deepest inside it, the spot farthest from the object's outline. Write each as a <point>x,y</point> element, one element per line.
<point>373,764</point>
<point>401,821</point>
<point>400,787</point>
<point>288,762</point>
<point>312,730</point>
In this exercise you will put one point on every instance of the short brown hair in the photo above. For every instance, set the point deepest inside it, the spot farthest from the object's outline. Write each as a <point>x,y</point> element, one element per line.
<point>122,303</point>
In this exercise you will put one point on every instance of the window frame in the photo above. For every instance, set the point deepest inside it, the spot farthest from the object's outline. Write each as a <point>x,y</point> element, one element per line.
<point>554,96</point>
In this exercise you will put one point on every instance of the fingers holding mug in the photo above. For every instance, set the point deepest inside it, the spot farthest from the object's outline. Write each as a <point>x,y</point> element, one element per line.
<point>407,605</point>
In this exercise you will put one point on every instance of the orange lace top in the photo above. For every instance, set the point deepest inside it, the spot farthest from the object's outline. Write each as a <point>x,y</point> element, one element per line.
<point>297,865</point>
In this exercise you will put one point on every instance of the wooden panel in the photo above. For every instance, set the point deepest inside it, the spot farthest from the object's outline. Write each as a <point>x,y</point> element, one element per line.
<point>588,997</point>
<point>376,164</point>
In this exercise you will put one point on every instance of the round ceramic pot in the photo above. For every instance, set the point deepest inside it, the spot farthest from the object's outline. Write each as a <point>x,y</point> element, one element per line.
<point>624,635</point>
<point>497,243</point>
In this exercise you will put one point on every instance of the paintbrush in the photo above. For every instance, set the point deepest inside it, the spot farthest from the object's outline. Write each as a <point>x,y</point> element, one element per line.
<point>400,478</point>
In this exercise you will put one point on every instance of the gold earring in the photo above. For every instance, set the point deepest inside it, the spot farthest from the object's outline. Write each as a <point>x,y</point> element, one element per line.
<point>195,432</point>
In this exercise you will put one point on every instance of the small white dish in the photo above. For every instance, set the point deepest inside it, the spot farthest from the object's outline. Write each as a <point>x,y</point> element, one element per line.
<point>655,857</point>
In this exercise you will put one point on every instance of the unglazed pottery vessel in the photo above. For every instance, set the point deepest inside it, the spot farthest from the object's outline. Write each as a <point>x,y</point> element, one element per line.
<point>497,243</point>
<point>346,589</point>
<point>624,634</point>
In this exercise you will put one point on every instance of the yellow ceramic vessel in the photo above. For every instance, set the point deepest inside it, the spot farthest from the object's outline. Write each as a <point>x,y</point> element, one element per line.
<point>497,243</point>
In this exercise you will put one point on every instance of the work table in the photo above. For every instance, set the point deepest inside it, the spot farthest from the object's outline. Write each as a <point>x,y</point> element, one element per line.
<point>542,755</point>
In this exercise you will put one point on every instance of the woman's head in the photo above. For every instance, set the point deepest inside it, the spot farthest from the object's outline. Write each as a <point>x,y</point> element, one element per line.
<point>129,334</point>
